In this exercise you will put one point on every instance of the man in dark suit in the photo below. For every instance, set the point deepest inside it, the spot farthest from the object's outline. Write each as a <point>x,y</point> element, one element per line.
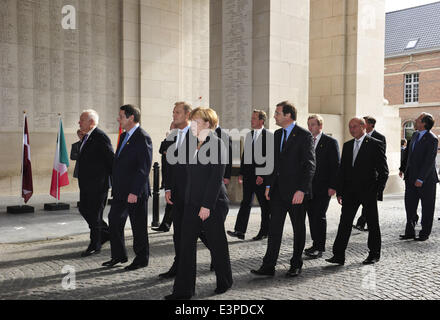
<point>167,219</point>
<point>362,176</point>
<point>370,123</point>
<point>323,184</point>
<point>420,178</point>
<point>94,166</point>
<point>253,183</point>
<point>130,190</point>
<point>175,182</point>
<point>288,187</point>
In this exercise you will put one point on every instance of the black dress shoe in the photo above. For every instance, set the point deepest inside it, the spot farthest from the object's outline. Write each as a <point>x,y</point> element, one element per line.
<point>236,234</point>
<point>259,237</point>
<point>406,237</point>
<point>220,290</point>
<point>263,271</point>
<point>161,228</point>
<point>135,266</point>
<point>311,249</point>
<point>293,272</point>
<point>89,252</point>
<point>421,238</point>
<point>175,296</point>
<point>169,274</point>
<point>113,262</point>
<point>336,260</point>
<point>314,254</point>
<point>371,260</point>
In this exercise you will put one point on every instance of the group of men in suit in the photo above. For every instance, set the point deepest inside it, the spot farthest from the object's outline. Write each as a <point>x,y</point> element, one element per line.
<point>307,172</point>
<point>127,171</point>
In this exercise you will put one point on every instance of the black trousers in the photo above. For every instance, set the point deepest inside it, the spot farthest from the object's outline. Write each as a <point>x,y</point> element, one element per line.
<point>426,194</point>
<point>117,217</point>
<point>177,213</point>
<point>350,205</point>
<point>297,213</point>
<point>214,230</point>
<point>178,209</point>
<point>316,209</point>
<point>91,207</point>
<point>249,189</point>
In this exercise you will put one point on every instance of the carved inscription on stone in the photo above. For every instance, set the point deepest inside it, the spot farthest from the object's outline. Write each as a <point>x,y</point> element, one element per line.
<point>237,63</point>
<point>47,70</point>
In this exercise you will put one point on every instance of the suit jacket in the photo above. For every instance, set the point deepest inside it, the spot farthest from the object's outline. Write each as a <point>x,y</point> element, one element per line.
<point>294,167</point>
<point>164,145</point>
<point>74,155</point>
<point>380,137</point>
<point>420,162</point>
<point>131,168</point>
<point>204,182</point>
<point>247,170</point>
<point>370,171</point>
<point>327,164</point>
<point>176,175</point>
<point>95,162</point>
<point>225,137</point>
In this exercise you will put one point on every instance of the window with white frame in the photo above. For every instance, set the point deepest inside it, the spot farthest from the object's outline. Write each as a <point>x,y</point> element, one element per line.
<point>408,130</point>
<point>411,87</point>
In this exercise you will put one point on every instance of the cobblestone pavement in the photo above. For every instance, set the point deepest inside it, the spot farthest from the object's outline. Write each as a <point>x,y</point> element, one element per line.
<point>407,269</point>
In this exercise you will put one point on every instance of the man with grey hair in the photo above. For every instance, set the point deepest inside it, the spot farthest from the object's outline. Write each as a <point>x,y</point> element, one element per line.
<point>94,164</point>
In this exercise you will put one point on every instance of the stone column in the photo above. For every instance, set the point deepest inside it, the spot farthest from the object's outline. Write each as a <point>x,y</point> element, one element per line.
<point>347,71</point>
<point>173,61</point>
<point>259,53</point>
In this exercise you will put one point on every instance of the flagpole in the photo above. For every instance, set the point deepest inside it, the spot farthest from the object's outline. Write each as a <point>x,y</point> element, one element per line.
<point>22,155</point>
<point>58,155</point>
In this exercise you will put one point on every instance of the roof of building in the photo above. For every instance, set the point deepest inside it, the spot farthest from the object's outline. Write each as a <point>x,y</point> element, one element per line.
<point>412,30</point>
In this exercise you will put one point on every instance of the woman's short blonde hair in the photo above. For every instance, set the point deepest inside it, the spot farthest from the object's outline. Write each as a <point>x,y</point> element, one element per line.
<point>206,114</point>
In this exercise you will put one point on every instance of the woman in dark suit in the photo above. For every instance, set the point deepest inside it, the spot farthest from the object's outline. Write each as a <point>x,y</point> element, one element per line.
<point>206,205</point>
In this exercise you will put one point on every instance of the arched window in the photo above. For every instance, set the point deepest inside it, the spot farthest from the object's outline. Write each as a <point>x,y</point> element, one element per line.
<point>408,130</point>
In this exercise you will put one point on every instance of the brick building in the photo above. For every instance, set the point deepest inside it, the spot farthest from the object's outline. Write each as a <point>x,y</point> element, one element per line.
<point>412,64</point>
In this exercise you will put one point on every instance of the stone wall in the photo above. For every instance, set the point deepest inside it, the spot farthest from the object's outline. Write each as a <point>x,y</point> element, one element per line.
<point>47,70</point>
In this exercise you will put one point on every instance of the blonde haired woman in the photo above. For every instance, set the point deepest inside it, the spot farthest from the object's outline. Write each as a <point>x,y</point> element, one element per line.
<point>206,205</point>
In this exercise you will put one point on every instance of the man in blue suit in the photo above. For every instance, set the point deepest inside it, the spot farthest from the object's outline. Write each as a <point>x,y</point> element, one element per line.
<point>130,190</point>
<point>420,178</point>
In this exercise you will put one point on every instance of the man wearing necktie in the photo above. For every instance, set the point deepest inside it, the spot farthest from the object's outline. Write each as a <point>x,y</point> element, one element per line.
<point>420,178</point>
<point>288,187</point>
<point>323,184</point>
<point>94,168</point>
<point>130,190</point>
<point>175,182</point>
<point>361,179</point>
<point>253,183</point>
<point>370,123</point>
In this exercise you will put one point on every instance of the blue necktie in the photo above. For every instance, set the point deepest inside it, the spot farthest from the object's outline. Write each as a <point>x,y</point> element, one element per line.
<point>123,143</point>
<point>284,140</point>
<point>416,137</point>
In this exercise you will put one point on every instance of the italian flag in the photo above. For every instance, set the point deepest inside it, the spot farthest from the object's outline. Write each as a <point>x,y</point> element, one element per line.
<point>60,164</point>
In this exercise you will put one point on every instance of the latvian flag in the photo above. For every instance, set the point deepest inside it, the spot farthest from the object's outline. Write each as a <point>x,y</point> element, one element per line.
<point>60,164</point>
<point>27,188</point>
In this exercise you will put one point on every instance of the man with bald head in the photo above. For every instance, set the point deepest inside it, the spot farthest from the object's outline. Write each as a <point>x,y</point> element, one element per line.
<point>361,179</point>
<point>94,166</point>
